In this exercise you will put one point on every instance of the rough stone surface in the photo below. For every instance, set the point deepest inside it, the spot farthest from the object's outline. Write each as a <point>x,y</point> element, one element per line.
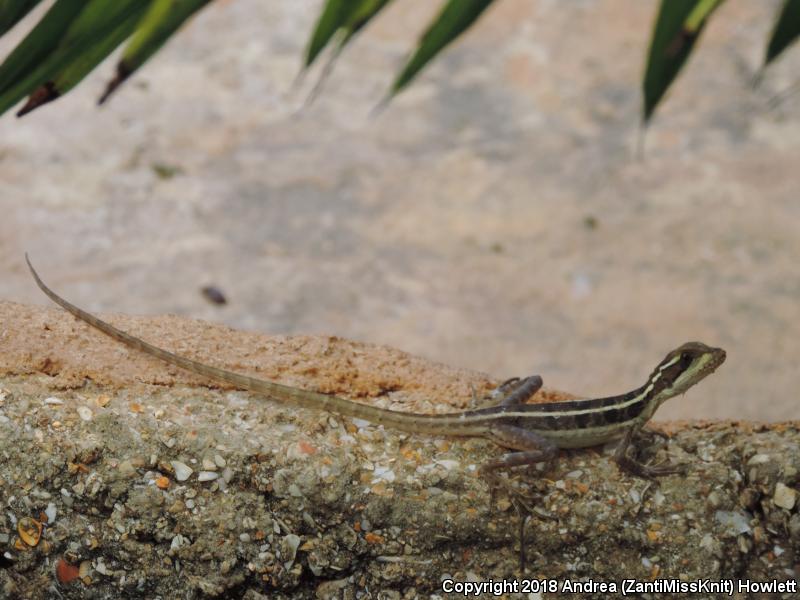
<point>310,505</point>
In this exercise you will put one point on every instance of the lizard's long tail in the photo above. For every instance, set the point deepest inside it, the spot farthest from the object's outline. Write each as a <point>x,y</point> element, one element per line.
<point>455,424</point>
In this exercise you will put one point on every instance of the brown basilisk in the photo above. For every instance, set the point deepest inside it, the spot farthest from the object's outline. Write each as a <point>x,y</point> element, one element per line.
<point>536,431</point>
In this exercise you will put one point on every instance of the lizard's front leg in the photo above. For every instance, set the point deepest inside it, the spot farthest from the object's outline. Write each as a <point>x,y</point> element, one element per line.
<point>512,391</point>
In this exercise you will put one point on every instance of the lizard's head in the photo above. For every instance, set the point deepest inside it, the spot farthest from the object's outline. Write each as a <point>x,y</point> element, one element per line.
<point>684,367</point>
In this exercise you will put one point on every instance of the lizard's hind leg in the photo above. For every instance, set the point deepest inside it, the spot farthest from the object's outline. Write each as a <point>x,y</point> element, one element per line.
<point>532,449</point>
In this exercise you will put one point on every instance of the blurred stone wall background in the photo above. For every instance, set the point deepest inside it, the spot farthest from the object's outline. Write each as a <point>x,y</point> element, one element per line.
<point>494,217</point>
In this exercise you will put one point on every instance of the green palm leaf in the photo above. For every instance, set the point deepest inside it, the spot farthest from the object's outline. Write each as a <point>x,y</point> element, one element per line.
<point>453,20</point>
<point>11,11</point>
<point>74,36</point>
<point>39,43</point>
<point>162,19</point>
<point>87,40</point>
<point>677,28</point>
<point>786,30</point>
<point>334,15</point>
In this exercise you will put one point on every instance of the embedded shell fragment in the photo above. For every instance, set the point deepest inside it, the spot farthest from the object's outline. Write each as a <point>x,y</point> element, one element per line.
<point>30,531</point>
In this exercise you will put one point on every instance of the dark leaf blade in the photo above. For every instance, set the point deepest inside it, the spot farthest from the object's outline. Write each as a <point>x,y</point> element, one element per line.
<point>786,30</point>
<point>334,15</point>
<point>452,21</point>
<point>677,28</point>
<point>700,13</point>
<point>94,22</point>
<point>73,72</point>
<point>40,42</point>
<point>362,14</point>
<point>12,11</point>
<point>161,20</point>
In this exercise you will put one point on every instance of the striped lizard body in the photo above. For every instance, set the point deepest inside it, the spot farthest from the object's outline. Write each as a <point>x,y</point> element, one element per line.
<point>536,431</point>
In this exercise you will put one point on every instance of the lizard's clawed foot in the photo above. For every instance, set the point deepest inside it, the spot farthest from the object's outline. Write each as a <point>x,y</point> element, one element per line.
<point>495,483</point>
<point>505,388</point>
<point>662,469</point>
<point>498,483</point>
<point>654,432</point>
<point>498,394</point>
<point>515,390</point>
<point>626,463</point>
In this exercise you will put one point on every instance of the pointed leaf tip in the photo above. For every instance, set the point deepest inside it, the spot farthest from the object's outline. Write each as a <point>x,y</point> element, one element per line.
<point>454,19</point>
<point>785,32</point>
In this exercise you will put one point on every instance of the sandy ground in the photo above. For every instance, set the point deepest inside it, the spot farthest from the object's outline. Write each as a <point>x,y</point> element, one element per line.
<point>493,218</point>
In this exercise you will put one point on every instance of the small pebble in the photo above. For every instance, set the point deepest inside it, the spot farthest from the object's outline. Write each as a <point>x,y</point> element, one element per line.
<point>219,461</point>
<point>292,542</point>
<point>448,464</point>
<point>207,476</point>
<point>65,572</point>
<point>101,568</point>
<point>794,527</point>
<point>182,470</point>
<point>714,499</point>
<point>785,497</point>
<point>53,400</point>
<point>214,295</point>
<point>759,459</point>
<point>51,513</point>
<point>178,541</point>
<point>385,474</point>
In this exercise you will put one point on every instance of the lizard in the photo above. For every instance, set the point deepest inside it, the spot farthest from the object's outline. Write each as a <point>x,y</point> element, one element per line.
<point>534,431</point>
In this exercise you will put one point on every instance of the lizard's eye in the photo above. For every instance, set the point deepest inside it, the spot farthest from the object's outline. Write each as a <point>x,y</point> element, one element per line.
<point>686,358</point>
